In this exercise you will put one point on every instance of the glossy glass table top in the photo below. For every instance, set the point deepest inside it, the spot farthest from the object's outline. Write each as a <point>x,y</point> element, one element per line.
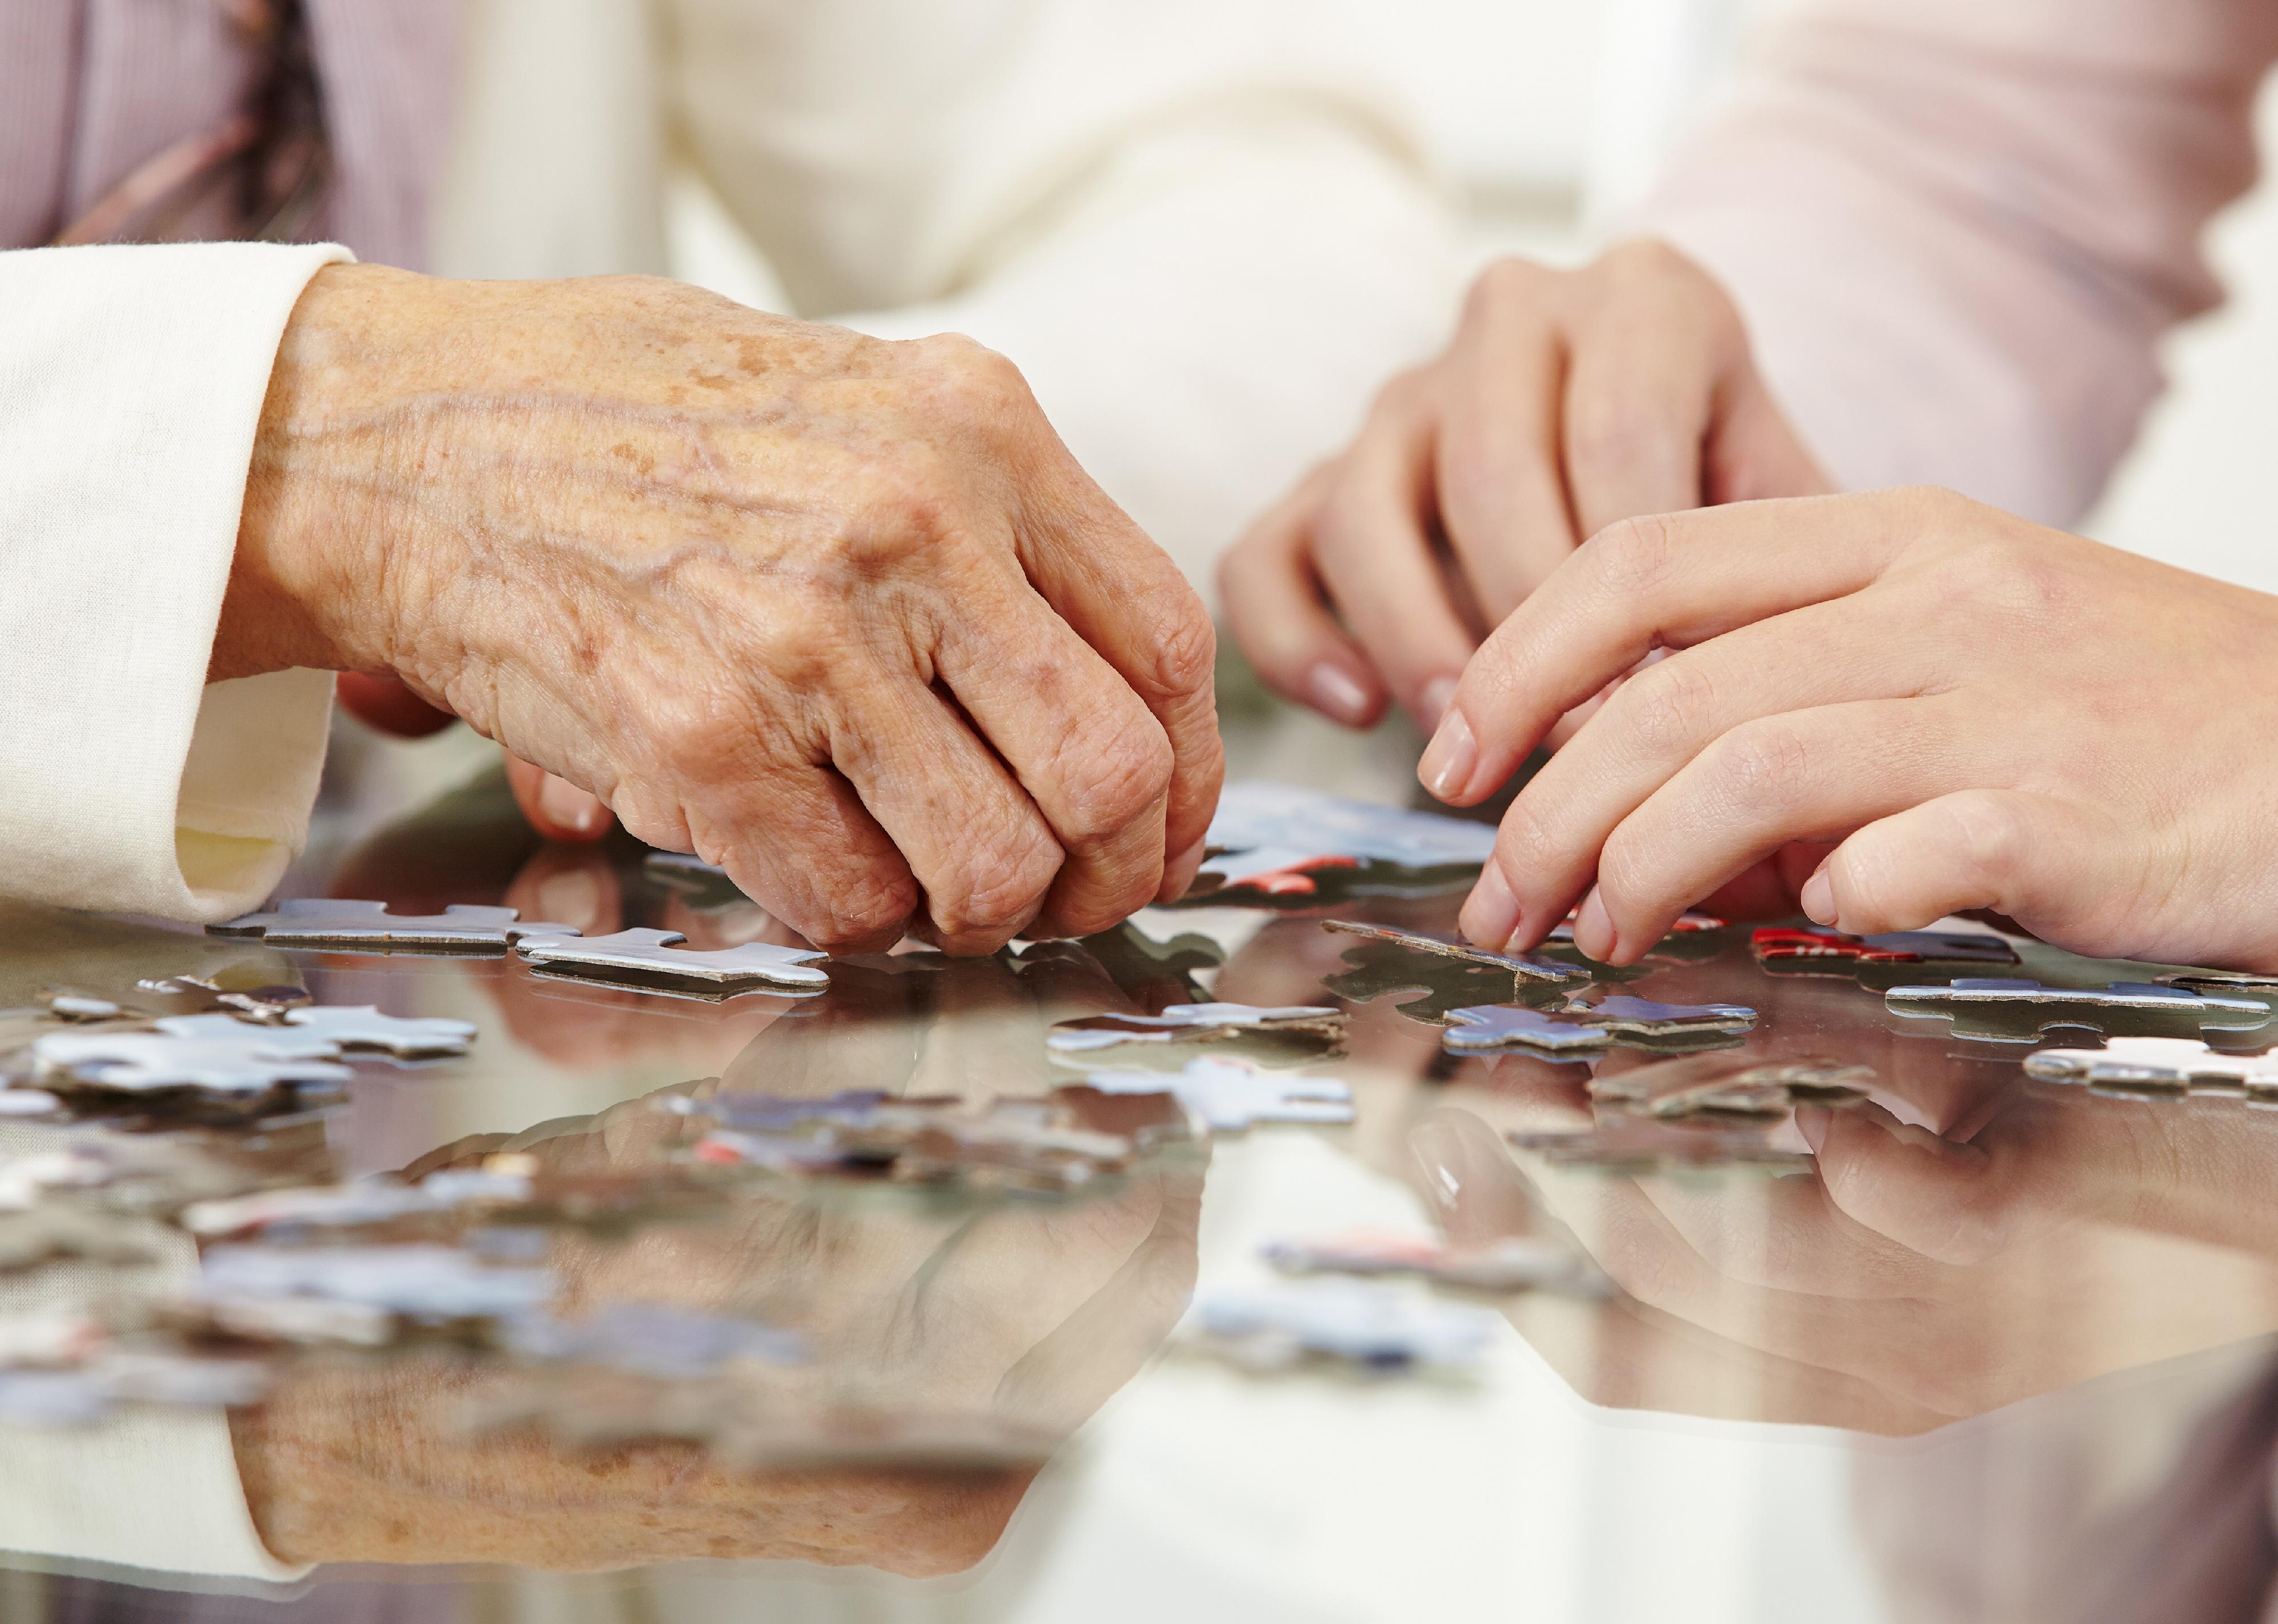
<point>2006,1353</point>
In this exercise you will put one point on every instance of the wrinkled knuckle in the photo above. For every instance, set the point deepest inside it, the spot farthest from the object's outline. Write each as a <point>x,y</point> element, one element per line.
<point>864,906</point>
<point>1181,645</point>
<point>1667,709</point>
<point>1633,556</point>
<point>1616,431</point>
<point>1000,888</point>
<point>1763,766</point>
<point>1108,783</point>
<point>1525,846</point>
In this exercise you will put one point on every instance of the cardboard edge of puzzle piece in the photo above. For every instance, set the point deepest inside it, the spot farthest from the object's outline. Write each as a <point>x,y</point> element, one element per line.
<point>644,950</point>
<point>2213,1012</point>
<point>355,925</point>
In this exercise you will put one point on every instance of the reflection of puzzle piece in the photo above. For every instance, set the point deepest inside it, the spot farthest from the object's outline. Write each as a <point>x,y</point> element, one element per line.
<point>2160,1066</point>
<point>327,922</point>
<point>2019,1011</point>
<point>1640,1145</point>
<point>646,953</point>
<point>1692,939</point>
<point>220,1054</point>
<point>1230,1096</point>
<point>1522,967</point>
<point>1272,839</point>
<point>1730,1085</point>
<point>365,1028</point>
<point>431,1284</point>
<point>1372,1328</point>
<point>1517,1263</point>
<point>2217,981</point>
<point>1192,1023</point>
<point>1781,943</point>
<point>1380,970</point>
<point>1589,1026</point>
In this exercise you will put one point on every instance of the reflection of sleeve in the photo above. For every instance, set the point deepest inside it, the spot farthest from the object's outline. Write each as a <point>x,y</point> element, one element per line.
<point>150,1488</point>
<point>1199,231</point>
<point>131,383</point>
<point>1958,230</point>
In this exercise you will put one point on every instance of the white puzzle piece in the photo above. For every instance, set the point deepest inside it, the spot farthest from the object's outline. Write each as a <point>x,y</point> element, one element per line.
<point>2159,1064</point>
<point>1580,1026</point>
<point>1193,1023</point>
<point>328,922</point>
<point>365,1028</point>
<point>1229,1095</point>
<point>656,952</point>
<point>2079,1006</point>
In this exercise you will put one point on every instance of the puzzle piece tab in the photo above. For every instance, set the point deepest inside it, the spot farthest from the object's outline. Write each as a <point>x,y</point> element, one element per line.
<point>1230,1096</point>
<point>361,1028</point>
<point>368,926</point>
<point>2160,1066</point>
<point>2019,1011</point>
<point>636,953</point>
<point>1318,1025</point>
<point>190,1051</point>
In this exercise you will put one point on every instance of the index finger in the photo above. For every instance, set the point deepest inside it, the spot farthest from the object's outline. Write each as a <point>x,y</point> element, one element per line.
<point>1122,595</point>
<point>1670,581</point>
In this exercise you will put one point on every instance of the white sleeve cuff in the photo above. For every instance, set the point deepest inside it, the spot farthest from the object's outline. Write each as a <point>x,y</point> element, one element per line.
<point>131,388</point>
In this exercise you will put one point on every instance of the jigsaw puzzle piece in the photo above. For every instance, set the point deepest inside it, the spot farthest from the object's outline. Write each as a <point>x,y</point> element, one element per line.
<point>1578,1026</point>
<point>1811,948</point>
<point>216,1053</point>
<point>629,956</point>
<point>1311,1028</point>
<point>338,925</point>
<point>2160,1066</point>
<point>1229,1095</point>
<point>2016,1011</point>
<point>363,1027</point>
<point>1272,841</point>
<point>1520,966</point>
<point>1515,1263</point>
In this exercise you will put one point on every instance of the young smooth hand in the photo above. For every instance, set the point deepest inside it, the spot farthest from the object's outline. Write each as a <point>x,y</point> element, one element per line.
<point>1568,400</point>
<point>1977,712</point>
<point>843,615</point>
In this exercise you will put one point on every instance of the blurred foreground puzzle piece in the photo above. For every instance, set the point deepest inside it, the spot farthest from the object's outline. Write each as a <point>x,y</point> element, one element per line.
<point>1230,1095</point>
<point>646,953</point>
<point>1195,1023</point>
<point>2160,1066</point>
<point>1373,1328</point>
<point>1731,1086</point>
<point>328,922</point>
<point>2019,1011</point>
<point>1643,1144</point>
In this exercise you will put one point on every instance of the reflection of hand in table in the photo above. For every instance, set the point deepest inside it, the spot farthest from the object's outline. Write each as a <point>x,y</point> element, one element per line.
<point>1030,1313</point>
<point>1933,1278</point>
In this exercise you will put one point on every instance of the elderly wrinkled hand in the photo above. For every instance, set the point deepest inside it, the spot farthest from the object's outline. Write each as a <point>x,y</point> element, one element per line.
<point>1567,400</point>
<point>843,615</point>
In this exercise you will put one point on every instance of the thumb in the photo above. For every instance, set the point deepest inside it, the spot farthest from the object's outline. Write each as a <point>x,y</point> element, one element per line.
<point>1932,1195</point>
<point>557,808</point>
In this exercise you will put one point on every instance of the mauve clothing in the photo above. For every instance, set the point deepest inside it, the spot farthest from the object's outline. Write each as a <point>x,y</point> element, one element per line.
<point>89,89</point>
<point>1959,228</point>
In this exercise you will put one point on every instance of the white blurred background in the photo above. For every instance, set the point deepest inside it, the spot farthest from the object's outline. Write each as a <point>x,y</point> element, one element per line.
<point>1554,116</point>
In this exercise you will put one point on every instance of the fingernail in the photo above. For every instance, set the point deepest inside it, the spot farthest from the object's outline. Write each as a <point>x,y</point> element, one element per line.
<point>1492,914</point>
<point>1178,873</point>
<point>1811,1121</point>
<point>1438,694</point>
<point>1450,758</point>
<point>1336,692</point>
<point>1817,897</point>
<point>572,897</point>
<point>1593,929</point>
<point>568,806</point>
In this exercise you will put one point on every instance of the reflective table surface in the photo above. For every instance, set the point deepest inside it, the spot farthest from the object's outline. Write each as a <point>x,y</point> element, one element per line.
<point>2003,1351</point>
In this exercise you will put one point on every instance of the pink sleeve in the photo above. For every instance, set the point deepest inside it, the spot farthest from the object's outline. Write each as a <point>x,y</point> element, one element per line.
<point>1959,228</point>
